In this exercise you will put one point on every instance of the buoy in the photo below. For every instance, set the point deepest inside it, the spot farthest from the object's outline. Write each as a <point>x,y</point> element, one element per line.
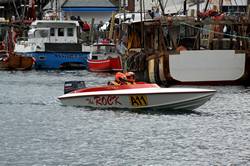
<point>162,69</point>
<point>151,74</point>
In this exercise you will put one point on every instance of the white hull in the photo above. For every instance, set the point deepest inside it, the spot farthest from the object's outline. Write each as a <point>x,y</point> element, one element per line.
<point>149,98</point>
<point>207,65</point>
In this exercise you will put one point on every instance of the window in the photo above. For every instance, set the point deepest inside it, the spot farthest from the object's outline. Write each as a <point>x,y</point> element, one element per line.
<point>110,49</point>
<point>52,32</point>
<point>70,32</point>
<point>44,33</point>
<point>60,31</point>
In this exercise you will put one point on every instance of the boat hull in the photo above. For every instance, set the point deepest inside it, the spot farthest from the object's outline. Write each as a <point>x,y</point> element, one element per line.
<point>17,62</point>
<point>199,67</point>
<point>207,65</point>
<point>59,60</point>
<point>150,98</point>
<point>108,65</point>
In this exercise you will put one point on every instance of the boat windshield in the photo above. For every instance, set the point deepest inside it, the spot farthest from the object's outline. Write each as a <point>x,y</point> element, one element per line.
<point>39,33</point>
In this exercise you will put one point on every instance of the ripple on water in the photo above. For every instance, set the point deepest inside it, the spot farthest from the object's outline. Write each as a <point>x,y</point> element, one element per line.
<point>37,130</point>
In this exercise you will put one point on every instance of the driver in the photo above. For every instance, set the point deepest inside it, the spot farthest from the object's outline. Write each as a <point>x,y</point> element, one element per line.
<point>130,77</point>
<point>120,79</point>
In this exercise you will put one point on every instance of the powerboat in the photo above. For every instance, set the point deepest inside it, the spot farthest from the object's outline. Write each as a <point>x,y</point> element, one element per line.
<point>137,96</point>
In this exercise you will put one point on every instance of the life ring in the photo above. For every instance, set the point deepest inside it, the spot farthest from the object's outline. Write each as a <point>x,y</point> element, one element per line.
<point>162,69</point>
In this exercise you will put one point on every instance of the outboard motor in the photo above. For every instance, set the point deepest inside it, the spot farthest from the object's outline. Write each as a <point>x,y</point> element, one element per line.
<point>70,86</point>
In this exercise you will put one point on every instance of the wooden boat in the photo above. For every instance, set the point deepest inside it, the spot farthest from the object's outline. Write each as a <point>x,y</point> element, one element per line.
<point>8,59</point>
<point>206,49</point>
<point>104,58</point>
<point>137,96</point>
<point>15,62</point>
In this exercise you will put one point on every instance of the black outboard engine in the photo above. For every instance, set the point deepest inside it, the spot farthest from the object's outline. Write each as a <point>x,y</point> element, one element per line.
<point>70,86</point>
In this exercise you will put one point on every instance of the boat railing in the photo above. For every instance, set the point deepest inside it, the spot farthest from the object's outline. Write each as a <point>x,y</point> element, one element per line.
<point>21,40</point>
<point>24,41</point>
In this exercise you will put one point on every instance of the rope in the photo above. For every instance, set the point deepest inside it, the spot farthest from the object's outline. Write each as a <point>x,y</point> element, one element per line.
<point>209,30</point>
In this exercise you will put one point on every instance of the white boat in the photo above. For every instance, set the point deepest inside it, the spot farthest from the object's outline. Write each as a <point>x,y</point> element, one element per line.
<point>138,96</point>
<point>55,45</point>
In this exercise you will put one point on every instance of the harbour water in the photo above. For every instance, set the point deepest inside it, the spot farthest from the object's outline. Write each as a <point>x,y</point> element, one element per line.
<point>35,129</point>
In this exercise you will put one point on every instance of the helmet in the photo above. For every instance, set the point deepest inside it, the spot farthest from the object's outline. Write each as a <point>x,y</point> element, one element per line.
<point>120,77</point>
<point>130,76</point>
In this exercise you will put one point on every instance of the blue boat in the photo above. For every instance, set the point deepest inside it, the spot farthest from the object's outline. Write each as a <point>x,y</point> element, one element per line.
<point>60,60</point>
<point>54,44</point>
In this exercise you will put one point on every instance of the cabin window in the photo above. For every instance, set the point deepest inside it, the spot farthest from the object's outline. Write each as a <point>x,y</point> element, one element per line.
<point>44,33</point>
<point>94,58</point>
<point>60,31</point>
<point>110,49</point>
<point>70,32</point>
<point>52,32</point>
<point>41,34</point>
<point>99,49</point>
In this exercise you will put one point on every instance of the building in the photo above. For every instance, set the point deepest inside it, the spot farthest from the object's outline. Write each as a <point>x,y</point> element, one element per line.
<point>177,6</point>
<point>88,9</point>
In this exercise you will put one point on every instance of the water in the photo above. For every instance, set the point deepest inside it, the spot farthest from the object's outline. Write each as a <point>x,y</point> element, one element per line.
<point>35,129</point>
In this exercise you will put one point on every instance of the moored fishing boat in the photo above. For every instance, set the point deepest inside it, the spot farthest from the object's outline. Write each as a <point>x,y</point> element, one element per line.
<point>211,48</point>
<point>104,58</point>
<point>15,62</point>
<point>8,59</point>
<point>138,96</point>
<point>55,45</point>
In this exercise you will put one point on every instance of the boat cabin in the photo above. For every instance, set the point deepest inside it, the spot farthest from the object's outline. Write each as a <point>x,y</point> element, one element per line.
<point>102,51</point>
<point>53,31</point>
<point>51,36</point>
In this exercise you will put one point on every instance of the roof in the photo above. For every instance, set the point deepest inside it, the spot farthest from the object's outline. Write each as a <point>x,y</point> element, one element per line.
<point>177,5</point>
<point>54,4</point>
<point>88,3</point>
<point>52,23</point>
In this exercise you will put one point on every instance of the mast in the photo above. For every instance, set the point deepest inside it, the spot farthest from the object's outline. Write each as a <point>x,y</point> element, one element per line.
<point>32,10</point>
<point>220,5</point>
<point>248,10</point>
<point>124,14</point>
<point>198,9</point>
<point>56,10</point>
<point>205,9</point>
<point>14,3</point>
<point>24,10</point>
<point>162,8</point>
<point>120,20</point>
<point>142,27</point>
<point>185,7</point>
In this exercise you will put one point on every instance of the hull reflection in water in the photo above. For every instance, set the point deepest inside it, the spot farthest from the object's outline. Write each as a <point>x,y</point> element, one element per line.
<point>138,96</point>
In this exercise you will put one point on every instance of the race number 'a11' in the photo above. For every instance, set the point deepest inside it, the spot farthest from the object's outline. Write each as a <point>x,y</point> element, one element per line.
<point>138,100</point>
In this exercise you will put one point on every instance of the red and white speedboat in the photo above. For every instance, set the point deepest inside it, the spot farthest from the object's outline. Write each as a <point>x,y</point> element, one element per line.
<point>104,58</point>
<point>138,96</point>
